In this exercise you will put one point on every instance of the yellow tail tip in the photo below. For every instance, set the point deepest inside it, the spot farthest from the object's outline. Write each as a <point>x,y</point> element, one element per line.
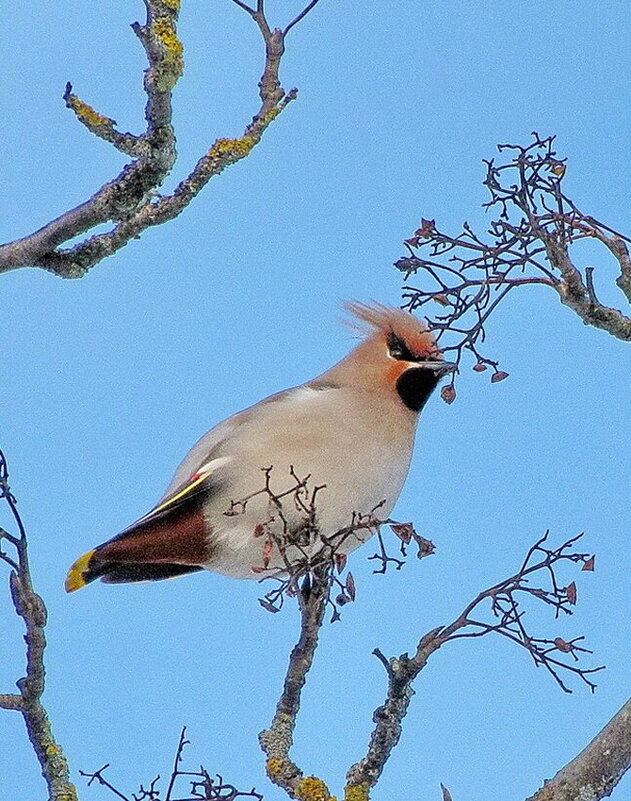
<point>75,578</point>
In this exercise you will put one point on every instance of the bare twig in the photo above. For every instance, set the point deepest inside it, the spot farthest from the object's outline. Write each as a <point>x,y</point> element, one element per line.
<point>300,16</point>
<point>130,201</point>
<point>98,777</point>
<point>527,244</point>
<point>201,785</point>
<point>176,763</point>
<point>506,619</point>
<point>293,548</point>
<point>595,772</point>
<point>30,607</point>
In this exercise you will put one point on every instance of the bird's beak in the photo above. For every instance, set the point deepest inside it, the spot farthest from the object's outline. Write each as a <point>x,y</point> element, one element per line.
<point>440,368</point>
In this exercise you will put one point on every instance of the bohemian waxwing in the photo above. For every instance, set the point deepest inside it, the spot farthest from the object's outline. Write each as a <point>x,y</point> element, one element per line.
<point>350,431</point>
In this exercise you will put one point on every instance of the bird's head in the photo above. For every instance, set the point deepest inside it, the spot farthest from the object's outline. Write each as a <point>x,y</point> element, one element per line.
<point>398,354</point>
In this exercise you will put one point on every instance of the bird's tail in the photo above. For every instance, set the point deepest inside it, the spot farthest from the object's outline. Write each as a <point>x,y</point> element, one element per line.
<point>89,567</point>
<point>80,573</point>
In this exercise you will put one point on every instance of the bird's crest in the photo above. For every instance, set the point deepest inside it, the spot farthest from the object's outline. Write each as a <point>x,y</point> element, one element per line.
<point>390,320</point>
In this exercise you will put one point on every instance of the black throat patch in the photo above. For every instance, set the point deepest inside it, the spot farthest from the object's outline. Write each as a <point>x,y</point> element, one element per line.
<point>415,386</point>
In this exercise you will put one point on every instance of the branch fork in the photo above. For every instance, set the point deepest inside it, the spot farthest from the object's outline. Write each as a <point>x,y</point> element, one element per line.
<point>130,202</point>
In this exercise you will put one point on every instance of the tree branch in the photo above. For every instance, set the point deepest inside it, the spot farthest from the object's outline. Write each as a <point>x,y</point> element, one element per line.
<point>30,607</point>
<point>469,275</point>
<point>574,293</point>
<point>130,200</point>
<point>276,741</point>
<point>595,772</point>
<point>536,580</point>
<point>507,613</point>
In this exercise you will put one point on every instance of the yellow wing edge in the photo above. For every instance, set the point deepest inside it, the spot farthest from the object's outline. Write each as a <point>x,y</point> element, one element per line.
<point>178,495</point>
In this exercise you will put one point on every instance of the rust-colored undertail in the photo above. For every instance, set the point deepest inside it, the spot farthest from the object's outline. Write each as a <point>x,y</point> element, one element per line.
<point>169,541</point>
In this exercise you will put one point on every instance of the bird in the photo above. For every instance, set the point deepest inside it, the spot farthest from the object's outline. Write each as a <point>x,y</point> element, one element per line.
<point>294,471</point>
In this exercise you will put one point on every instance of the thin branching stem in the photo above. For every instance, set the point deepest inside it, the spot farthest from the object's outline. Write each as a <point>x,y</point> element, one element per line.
<point>30,607</point>
<point>461,280</point>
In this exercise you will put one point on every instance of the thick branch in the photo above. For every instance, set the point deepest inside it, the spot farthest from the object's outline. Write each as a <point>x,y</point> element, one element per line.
<point>11,701</point>
<point>74,262</point>
<point>388,718</point>
<point>620,251</point>
<point>595,772</point>
<point>276,741</point>
<point>575,294</point>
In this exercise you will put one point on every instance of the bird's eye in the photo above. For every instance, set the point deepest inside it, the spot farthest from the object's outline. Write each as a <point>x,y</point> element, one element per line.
<point>397,349</point>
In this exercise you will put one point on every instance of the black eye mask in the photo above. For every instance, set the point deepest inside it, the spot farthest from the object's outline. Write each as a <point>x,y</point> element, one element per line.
<point>398,349</point>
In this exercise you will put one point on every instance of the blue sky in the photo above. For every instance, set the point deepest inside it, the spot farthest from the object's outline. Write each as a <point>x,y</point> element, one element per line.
<point>107,381</point>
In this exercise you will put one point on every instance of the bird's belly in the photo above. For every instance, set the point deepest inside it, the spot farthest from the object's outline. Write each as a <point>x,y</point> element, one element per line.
<point>301,509</point>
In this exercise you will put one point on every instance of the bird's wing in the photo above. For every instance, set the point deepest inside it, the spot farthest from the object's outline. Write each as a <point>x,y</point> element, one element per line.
<point>213,444</point>
<point>201,453</point>
<point>195,484</point>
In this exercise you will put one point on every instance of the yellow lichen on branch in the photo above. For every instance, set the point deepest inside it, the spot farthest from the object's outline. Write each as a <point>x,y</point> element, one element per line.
<point>270,115</point>
<point>357,792</point>
<point>231,149</point>
<point>312,789</point>
<point>172,65</point>
<point>87,115</point>
<point>274,767</point>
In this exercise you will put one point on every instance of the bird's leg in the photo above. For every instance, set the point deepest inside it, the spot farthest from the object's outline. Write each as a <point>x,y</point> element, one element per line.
<point>305,588</point>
